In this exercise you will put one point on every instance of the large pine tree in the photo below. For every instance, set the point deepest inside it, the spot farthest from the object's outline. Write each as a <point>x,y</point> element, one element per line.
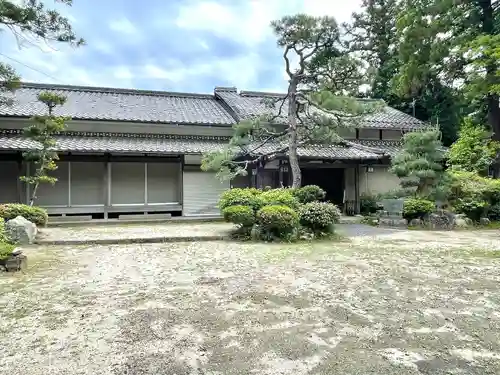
<point>312,109</point>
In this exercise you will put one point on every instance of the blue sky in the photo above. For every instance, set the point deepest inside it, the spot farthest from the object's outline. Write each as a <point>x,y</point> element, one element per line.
<point>174,45</point>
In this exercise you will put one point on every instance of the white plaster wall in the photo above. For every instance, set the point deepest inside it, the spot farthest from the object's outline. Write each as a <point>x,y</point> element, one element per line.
<point>369,134</point>
<point>378,181</point>
<point>392,134</point>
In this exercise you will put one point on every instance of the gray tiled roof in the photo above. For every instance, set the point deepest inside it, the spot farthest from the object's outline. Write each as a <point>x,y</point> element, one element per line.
<point>334,151</point>
<point>387,146</point>
<point>179,145</point>
<point>94,103</point>
<point>119,144</point>
<point>249,103</point>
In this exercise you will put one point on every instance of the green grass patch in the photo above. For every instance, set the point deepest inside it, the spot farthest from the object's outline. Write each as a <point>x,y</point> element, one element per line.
<point>484,253</point>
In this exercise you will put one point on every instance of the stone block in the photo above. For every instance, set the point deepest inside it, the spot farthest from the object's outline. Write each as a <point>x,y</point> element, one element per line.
<point>484,221</point>
<point>16,263</point>
<point>20,231</point>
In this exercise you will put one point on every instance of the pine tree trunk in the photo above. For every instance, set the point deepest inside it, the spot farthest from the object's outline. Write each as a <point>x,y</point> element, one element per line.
<point>33,194</point>
<point>292,134</point>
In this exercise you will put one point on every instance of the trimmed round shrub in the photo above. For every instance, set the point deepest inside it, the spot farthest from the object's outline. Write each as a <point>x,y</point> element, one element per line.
<point>417,208</point>
<point>34,214</point>
<point>319,216</point>
<point>239,215</point>
<point>277,221</point>
<point>309,193</point>
<point>241,197</point>
<point>280,197</point>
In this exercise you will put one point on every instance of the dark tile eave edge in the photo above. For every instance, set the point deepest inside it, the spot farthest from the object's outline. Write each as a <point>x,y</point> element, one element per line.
<point>21,149</point>
<point>215,124</point>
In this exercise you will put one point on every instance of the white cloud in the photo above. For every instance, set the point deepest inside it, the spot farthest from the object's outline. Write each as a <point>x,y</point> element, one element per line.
<point>156,72</point>
<point>123,25</point>
<point>249,23</point>
<point>122,72</point>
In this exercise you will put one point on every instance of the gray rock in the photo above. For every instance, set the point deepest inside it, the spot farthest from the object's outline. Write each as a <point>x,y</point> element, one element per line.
<point>392,222</point>
<point>16,263</point>
<point>16,252</point>
<point>20,230</point>
<point>484,221</point>
<point>439,221</point>
<point>416,222</point>
<point>461,222</point>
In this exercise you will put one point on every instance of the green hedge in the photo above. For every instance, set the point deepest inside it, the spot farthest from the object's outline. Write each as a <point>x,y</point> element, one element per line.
<point>241,197</point>
<point>417,208</point>
<point>309,193</point>
<point>239,215</point>
<point>3,236</point>
<point>277,222</point>
<point>280,197</point>
<point>34,214</point>
<point>6,249</point>
<point>319,217</point>
<point>472,194</point>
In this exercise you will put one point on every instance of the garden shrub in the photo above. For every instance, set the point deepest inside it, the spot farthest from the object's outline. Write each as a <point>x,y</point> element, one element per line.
<point>494,212</point>
<point>3,236</point>
<point>6,250</point>
<point>280,197</point>
<point>34,214</point>
<point>474,209</point>
<point>368,204</point>
<point>319,217</point>
<point>277,222</point>
<point>472,194</point>
<point>241,197</point>
<point>239,215</point>
<point>417,208</point>
<point>309,193</point>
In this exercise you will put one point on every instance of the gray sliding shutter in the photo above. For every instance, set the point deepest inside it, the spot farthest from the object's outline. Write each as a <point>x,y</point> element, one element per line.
<point>201,193</point>
<point>10,180</point>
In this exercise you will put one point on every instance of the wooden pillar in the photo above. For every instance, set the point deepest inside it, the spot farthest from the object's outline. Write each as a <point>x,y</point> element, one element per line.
<point>107,186</point>
<point>19,182</point>
<point>357,202</point>
<point>280,173</point>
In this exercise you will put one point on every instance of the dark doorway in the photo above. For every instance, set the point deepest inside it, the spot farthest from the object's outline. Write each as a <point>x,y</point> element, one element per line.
<point>329,179</point>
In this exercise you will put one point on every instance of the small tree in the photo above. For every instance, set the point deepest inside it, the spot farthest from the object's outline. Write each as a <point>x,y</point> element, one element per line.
<point>474,151</point>
<point>42,133</point>
<point>420,163</point>
<point>311,111</point>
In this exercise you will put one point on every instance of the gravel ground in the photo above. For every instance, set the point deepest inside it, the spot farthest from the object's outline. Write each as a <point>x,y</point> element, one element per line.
<point>96,232</point>
<point>398,303</point>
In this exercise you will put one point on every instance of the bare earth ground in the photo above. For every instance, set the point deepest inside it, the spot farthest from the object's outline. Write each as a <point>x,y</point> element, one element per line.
<point>403,303</point>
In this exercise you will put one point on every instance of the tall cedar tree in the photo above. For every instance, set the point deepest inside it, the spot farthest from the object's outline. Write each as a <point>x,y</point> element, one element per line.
<point>420,164</point>
<point>458,42</point>
<point>309,113</point>
<point>373,35</point>
<point>30,21</point>
<point>42,133</point>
